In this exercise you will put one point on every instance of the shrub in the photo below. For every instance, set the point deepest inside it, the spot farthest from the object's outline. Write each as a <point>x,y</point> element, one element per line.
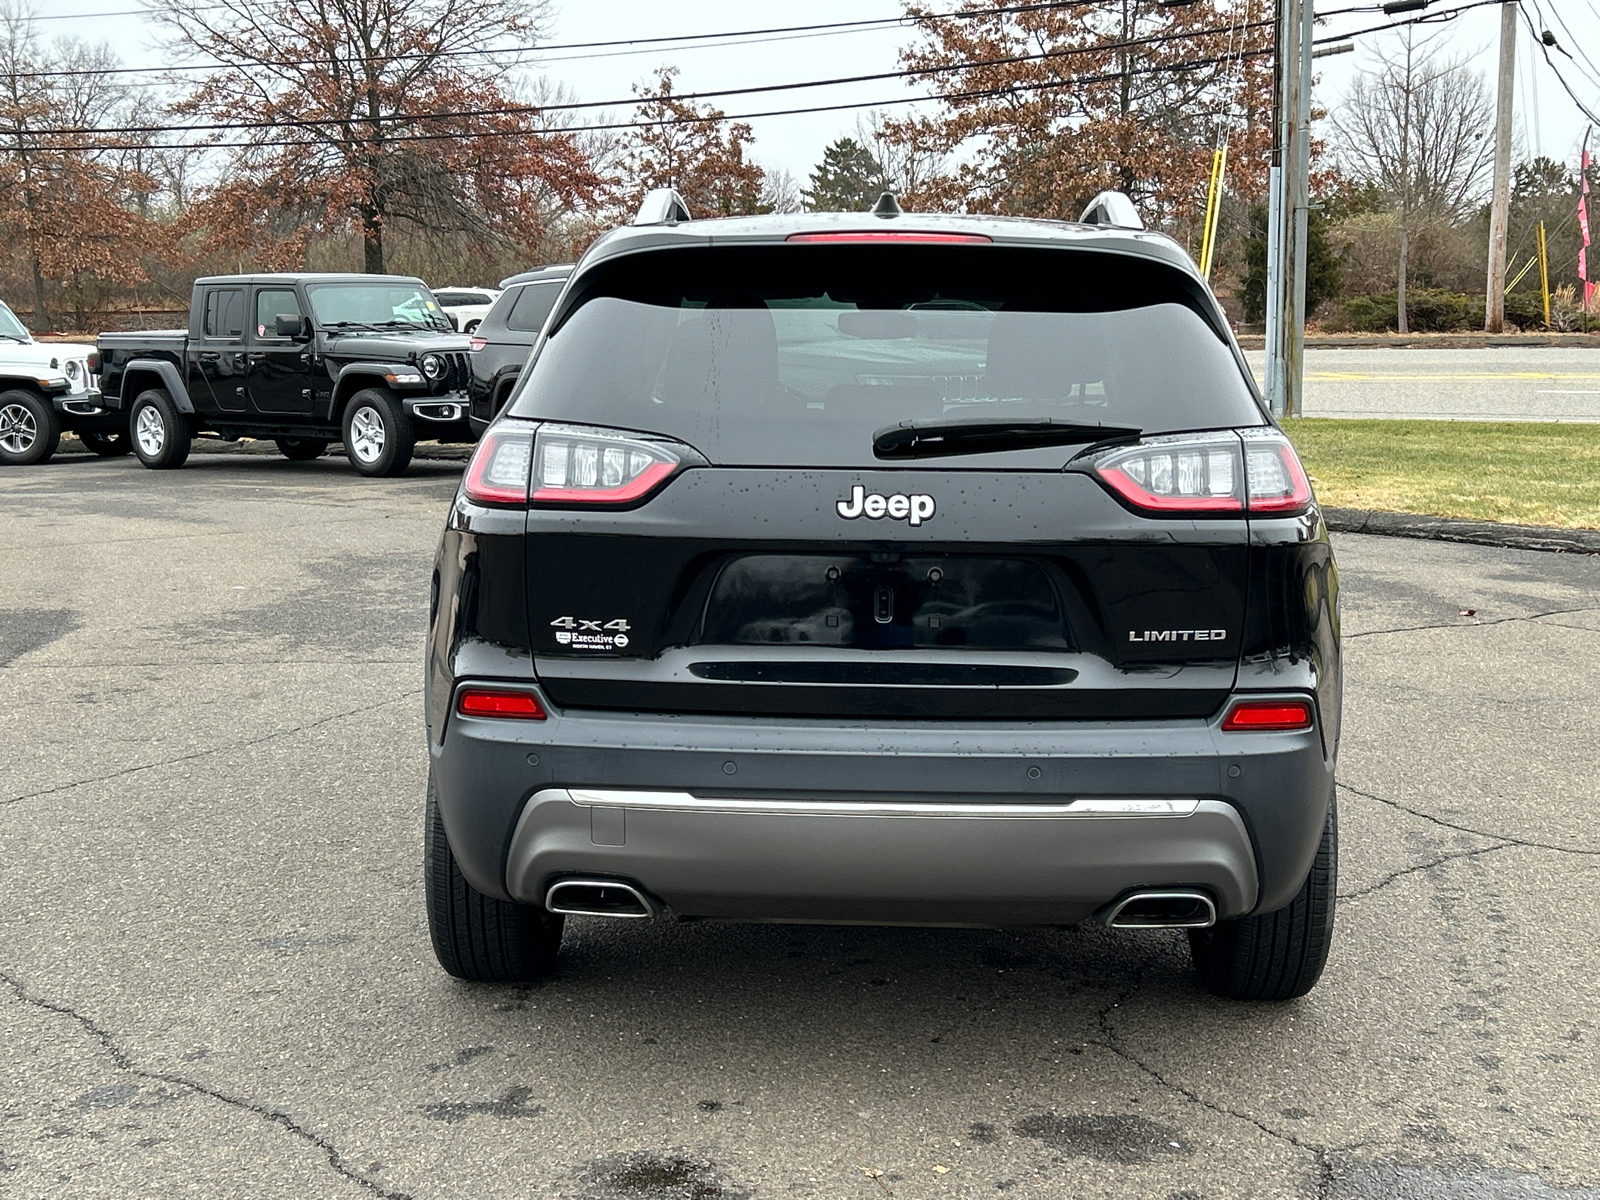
<point>1428,310</point>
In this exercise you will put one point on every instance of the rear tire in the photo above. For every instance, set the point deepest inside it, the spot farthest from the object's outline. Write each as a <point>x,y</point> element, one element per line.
<point>30,428</point>
<point>108,445</point>
<point>477,937</point>
<point>378,435</point>
<point>301,449</point>
<point>1277,955</point>
<point>161,436</point>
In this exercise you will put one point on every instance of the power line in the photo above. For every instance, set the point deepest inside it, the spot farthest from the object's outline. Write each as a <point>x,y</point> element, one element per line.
<point>1567,87</point>
<point>574,105</point>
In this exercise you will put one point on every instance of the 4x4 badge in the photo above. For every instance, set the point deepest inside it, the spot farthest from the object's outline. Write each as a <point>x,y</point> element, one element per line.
<point>915,508</point>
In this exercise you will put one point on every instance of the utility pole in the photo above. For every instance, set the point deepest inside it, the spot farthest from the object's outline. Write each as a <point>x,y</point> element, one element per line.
<point>1494,316</point>
<point>1289,202</point>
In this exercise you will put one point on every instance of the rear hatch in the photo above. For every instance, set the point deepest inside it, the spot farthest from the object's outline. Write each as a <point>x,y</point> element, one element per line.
<point>901,479</point>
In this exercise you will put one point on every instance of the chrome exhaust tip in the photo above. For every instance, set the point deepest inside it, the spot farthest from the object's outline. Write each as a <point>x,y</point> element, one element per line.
<point>1171,908</point>
<point>599,898</point>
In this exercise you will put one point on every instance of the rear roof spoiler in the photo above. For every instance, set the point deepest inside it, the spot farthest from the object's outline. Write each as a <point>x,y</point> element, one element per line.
<point>1109,208</point>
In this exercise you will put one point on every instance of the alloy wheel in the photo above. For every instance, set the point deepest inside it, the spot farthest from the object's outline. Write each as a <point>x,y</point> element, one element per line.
<point>150,430</point>
<point>18,429</point>
<point>366,435</point>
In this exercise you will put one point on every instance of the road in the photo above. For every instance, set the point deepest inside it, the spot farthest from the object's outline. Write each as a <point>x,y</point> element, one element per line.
<point>1515,383</point>
<point>215,977</point>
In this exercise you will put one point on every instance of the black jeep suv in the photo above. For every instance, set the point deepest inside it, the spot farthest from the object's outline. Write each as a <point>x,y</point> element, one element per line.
<point>905,569</point>
<point>307,359</point>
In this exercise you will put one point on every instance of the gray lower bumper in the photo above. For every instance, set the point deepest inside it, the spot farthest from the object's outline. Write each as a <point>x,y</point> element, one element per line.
<point>882,862</point>
<point>506,793</point>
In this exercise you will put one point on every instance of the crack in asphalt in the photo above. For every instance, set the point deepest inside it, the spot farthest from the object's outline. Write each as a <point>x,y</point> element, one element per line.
<point>124,1062</point>
<point>1483,833</point>
<point>166,762</point>
<point>1474,623</point>
<point>1412,870</point>
<point>1113,1042</point>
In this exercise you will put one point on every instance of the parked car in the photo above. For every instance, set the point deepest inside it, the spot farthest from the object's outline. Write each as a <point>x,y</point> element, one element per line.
<point>877,568</point>
<point>465,308</point>
<point>308,359</point>
<point>506,337</point>
<point>46,389</point>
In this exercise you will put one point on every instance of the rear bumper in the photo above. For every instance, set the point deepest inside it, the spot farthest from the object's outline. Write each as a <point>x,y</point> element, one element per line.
<point>932,823</point>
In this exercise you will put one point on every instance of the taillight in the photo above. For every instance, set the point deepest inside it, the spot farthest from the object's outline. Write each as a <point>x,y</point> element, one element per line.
<point>1220,474</point>
<point>1177,474</point>
<point>580,465</point>
<point>1278,482</point>
<point>499,702</point>
<point>498,472</point>
<point>477,343</point>
<point>93,362</point>
<point>1267,716</point>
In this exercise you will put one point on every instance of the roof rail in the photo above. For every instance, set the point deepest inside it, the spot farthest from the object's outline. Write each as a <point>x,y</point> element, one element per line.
<point>1112,208</point>
<point>663,206</point>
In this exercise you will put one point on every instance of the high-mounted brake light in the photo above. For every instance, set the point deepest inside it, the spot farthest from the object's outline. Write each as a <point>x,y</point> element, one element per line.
<point>1267,716</point>
<point>498,472</point>
<point>500,702</point>
<point>1207,473</point>
<point>887,235</point>
<point>581,465</point>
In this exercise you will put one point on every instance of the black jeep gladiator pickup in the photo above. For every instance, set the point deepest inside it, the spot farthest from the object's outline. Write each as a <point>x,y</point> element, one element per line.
<point>304,359</point>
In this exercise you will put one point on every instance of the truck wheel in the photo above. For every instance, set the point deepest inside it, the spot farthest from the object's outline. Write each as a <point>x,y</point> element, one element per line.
<point>30,430</point>
<point>1277,955</point>
<point>301,449</point>
<point>477,937</point>
<point>378,437</point>
<point>161,435</point>
<point>108,445</point>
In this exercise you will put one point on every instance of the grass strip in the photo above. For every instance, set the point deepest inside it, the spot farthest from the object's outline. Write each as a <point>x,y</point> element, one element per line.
<point>1523,472</point>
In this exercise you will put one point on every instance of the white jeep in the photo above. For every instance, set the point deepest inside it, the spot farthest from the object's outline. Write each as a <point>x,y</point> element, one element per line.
<point>48,387</point>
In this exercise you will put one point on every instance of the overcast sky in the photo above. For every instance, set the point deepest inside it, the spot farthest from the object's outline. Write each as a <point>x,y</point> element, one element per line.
<point>1548,121</point>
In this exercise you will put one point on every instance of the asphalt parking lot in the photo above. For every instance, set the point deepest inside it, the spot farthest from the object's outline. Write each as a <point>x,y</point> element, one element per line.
<point>215,977</point>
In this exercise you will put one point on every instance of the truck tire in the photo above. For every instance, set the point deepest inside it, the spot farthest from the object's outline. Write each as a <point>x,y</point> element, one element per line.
<point>161,436</point>
<point>378,435</point>
<point>30,429</point>
<point>301,449</point>
<point>1277,955</point>
<point>108,445</point>
<point>477,937</point>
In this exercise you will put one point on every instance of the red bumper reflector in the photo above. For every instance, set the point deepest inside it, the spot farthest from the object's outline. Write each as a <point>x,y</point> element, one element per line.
<point>1268,715</point>
<point>498,702</point>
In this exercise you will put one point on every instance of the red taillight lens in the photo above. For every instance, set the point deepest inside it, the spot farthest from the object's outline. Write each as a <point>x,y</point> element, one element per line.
<point>1267,716</point>
<point>1178,475</point>
<point>477,343</point>
<point>581,465</point>
<point>885,235</point>
<point>499,702</point>
<point>94,362</point>
<point>498,472</point>
<point>1278,482</point>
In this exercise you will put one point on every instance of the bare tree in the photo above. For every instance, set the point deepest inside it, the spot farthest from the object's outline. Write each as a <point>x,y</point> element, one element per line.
<point>1415,127</point>
<point>907,167</point>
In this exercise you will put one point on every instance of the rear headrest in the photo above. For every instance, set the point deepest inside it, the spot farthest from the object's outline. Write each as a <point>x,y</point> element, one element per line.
<point>1040,356</point>
<point>728,348</point>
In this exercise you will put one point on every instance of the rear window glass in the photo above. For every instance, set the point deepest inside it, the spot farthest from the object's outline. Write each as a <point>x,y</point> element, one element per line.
<point>797,355</point>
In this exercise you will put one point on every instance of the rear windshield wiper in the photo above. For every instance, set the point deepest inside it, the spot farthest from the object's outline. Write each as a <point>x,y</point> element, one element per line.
<point>931,439</point>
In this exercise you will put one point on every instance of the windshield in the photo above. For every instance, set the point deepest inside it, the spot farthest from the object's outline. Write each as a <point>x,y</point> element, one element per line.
<point>375,306</point>
<point>797,356</point>
<point>12,328</point>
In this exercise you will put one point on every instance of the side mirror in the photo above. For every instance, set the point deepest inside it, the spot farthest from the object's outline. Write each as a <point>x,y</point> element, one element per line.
<point>293,326</point>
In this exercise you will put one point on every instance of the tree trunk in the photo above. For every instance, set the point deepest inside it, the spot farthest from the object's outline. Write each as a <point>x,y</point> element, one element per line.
<point>1400,290</point>
<point>41,314</point>
<point>372,240</point>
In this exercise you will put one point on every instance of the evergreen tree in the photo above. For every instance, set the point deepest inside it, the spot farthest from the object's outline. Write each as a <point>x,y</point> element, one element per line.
<point>1322,264</point>
<point>848,179</point>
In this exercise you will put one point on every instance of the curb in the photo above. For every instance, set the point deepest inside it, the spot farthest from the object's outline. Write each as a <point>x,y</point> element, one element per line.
<point>1434,341</point>
<point>1454,529</point>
